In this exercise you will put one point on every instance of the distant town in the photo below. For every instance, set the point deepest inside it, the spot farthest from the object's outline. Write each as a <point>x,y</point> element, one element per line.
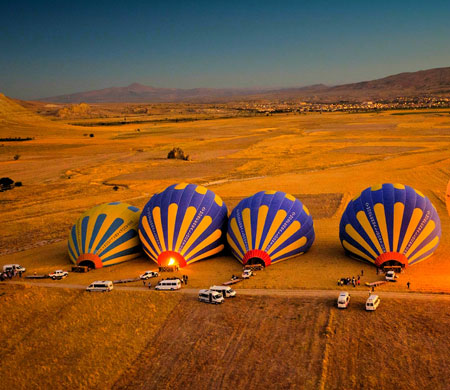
<point>401,103</point>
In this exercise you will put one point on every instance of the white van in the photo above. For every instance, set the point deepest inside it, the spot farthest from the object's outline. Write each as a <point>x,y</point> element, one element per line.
<point>226,291</point>
<point>372,302</point>
<point>100,285</point>
<point>343,300</point>
<point>210,296</point>
<point>13,267</point>
<point>168,284</point>
<point>391,276</point>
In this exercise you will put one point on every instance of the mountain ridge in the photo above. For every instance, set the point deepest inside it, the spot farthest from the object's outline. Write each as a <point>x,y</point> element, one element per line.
<point>434,81</point>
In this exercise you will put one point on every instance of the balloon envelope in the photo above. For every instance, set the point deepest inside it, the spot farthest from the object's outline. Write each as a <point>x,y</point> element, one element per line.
<point>269,227</point>
<point>183,224</point>
<point>105,235</point>
<point>390,224</point>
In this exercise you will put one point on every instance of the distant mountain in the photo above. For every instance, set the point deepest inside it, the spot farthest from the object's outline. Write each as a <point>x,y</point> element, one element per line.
<point>142,93</point>
<point>425,82</point>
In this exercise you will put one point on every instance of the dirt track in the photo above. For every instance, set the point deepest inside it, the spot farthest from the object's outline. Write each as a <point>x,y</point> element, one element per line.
<point>260,292</point>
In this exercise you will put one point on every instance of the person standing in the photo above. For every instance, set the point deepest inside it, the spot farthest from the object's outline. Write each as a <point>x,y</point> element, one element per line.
<point>362,272</point>
<point>408,284</point>
<point>185,279</point>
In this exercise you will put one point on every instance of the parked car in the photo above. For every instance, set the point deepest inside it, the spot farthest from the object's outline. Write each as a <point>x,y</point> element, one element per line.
<point>391,276</point>
<point>372,302</point>
<point>343,300</point>
<point>226,291</point>
<point>13,267</point>
<point>247,273</point>
<point>210,296</point>
<point>168,284</point>
<point>149,274</point>
<point>100,285</point>
<point>58,274</point>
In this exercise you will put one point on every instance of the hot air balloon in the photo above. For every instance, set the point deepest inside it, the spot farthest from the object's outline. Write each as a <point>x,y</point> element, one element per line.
<point>390,224</point>
<point>105,235</point>
<point>269,227</point>
<point>183,224</point>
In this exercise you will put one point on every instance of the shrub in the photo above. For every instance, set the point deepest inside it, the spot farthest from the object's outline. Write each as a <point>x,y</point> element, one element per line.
<point>91,135</point>
<point>16,156</point>
<point>178,153</point>
<point>18,184</point>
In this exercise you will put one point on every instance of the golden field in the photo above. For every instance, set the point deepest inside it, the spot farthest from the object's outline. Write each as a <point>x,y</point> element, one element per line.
<point>323,159</point>
<point>69,339</point>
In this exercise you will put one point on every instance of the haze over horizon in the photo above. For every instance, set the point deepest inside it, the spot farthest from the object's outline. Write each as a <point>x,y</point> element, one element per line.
<point>50,48</point>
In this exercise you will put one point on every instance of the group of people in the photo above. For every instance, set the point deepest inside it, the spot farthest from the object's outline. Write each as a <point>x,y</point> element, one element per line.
<point>9,274</point>
<point>353,281</point>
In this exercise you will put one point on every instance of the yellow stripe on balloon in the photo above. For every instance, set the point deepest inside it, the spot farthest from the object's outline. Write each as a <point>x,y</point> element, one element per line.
<point>156,213</point>
<point>208,241</point>
<point>399,186</point>
<point>262,214</point>
<point>108,221</point>
<point>356,251</point>
<point>150,235</point>
<point>381,219</point>
<point>413,222</point>
<point>246,218</point>
<point>201,228</point>
<point>399,209</point>
<point>295,245</point>
<point>234,246</point>
<point>425,249</point>
<point>362,219</point>
<point>120,259</point>
<point>207,254</point>
<point>187,220</point>
<point>237,233</point>
<point>181,186</point>
<point>147,246</point>
<point>201,190</point>
<point>171,219</point>
<point>132,242</point>
<point>425,233</point>
<point>288,233</point>
<point>277,221</point>
<point>350,230</point>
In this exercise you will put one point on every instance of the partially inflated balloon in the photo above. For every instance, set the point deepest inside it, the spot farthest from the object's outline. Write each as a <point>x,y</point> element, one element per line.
<point>390,224</point>
<point>269,227</point>
<point>105,235</point>
<point>183,224</point>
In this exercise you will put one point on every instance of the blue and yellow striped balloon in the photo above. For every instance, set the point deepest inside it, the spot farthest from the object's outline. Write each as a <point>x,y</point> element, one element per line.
<point>183,224</point>
<point>105,235</point>
<point>269,227</point>
<point>390,224</point>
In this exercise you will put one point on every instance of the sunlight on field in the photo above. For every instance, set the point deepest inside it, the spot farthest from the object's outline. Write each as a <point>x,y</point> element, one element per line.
<point>72,339</point>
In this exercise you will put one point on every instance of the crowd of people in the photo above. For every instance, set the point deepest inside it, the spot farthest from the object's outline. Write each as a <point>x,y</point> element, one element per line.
<point>9,274</point>
<point>353,281</point>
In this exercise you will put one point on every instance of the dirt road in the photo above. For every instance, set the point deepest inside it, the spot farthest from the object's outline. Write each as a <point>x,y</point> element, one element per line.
<point>259,292</point>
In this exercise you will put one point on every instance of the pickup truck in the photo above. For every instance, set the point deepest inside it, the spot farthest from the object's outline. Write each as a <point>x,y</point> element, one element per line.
<point>58,274</point>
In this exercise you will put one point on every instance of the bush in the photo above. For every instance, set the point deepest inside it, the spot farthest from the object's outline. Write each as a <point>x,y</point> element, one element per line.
<point>18,184</point>
<point>115,188</point>
<point>91,135</point>
<point>178,153</point>
<point>16,156</point>
<point>6,183</point>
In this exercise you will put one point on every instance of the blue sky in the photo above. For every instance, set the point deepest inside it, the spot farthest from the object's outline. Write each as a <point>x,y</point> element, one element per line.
<point>50,48</point>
